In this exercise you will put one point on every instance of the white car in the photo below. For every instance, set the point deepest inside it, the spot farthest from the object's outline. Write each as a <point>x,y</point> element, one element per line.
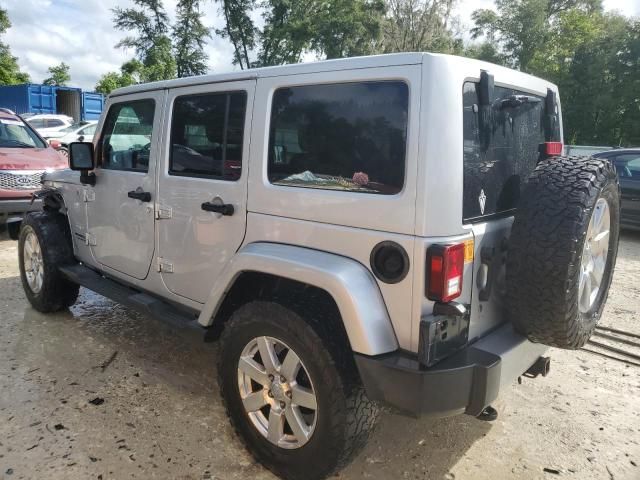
<point>48,125</point>
<point>77,132</point>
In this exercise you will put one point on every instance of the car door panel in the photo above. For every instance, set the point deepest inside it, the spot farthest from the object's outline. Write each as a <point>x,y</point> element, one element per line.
<point>205,162</point>
<point>121,226</point>
<point>628,167</point>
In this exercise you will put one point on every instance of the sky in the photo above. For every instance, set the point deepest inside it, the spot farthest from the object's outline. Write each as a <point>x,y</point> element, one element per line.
<point>80,33</point>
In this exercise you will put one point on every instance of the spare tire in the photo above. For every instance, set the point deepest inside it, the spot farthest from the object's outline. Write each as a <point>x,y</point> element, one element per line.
<point>562,250</point>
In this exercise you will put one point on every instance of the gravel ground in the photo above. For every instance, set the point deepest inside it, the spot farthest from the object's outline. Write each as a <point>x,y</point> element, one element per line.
<point>156,411</point>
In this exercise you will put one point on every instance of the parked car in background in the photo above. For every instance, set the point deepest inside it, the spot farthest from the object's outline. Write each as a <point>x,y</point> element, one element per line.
<point>48,124</point>
<point>24,158</point>
<point>585,150</point>
<point>627,162</point>
<point>77,132</point>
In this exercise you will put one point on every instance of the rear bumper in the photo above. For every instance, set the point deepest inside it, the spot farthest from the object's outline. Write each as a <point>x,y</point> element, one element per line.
<point>466,382</point>
<point>19,207</point>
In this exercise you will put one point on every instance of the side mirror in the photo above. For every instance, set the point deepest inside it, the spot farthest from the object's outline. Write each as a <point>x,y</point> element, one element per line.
<point>81,138</point>
<point>81,158</point>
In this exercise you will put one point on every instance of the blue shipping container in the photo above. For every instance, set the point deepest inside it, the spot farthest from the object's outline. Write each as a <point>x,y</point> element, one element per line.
<point>33,98</point>
<point>27,98</point>
<point>92,105</point>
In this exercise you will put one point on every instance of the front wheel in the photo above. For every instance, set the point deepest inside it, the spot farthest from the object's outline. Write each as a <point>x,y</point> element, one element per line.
<point>293,403</point>
<point>43,247</point>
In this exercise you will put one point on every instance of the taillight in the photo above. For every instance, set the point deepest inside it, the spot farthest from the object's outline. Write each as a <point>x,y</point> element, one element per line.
<point>553,148</point>
<point>445,264</point>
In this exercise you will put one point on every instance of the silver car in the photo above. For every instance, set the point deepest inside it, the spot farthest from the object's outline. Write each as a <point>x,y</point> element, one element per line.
<point>396,230</point>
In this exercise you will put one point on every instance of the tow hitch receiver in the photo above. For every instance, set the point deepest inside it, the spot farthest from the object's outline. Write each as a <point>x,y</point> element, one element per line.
<point>541,367</point>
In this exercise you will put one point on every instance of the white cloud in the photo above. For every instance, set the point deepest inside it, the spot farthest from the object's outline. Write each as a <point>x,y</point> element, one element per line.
<point>80,33</point>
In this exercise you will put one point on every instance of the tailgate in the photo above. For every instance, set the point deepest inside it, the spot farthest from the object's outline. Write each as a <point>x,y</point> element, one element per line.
<point>488,288</point>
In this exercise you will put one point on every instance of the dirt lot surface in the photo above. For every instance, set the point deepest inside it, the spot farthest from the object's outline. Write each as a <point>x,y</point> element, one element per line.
<point>156,411</point>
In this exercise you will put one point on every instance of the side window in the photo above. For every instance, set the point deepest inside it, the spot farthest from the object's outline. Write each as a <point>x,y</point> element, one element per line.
<point>349,136</point>
<point>628,166</point>
<point>37,123</point>
<point>90,130</point>
<point>126,137</point>
<point>207,134</point>
<point>52,123</point>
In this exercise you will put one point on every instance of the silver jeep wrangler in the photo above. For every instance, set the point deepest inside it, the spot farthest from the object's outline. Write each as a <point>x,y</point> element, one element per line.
<point>397,230</point>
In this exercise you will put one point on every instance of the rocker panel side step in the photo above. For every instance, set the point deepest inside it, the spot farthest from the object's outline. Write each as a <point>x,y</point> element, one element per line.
<point>139,301</point>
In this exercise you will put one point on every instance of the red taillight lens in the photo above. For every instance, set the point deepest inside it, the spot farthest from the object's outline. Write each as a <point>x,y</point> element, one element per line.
<point>553,148</point>
<point>445,265</point>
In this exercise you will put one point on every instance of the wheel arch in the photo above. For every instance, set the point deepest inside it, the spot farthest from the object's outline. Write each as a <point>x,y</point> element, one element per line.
<point>283,272</point>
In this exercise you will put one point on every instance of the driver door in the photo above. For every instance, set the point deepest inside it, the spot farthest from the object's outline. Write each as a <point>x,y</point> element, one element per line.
<point>120,213</point>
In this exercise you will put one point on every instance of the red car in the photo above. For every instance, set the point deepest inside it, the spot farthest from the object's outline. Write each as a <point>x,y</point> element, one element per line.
<point>24,158</point>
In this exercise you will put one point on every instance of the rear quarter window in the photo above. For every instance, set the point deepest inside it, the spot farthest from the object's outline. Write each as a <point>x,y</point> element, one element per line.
<point>348,137</point>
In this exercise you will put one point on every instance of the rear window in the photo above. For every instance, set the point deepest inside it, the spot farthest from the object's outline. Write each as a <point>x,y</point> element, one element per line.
<point>501,150</point>
<point>349,137</point>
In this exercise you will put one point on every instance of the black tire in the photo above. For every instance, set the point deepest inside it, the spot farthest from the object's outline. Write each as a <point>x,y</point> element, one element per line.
<point>51,230</point>
<point>64,152</point>
<point>546,247</point>
<point>345,416</point>
<point>13,229</point>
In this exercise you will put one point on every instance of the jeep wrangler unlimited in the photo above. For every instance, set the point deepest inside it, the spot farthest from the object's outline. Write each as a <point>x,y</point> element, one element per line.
<point>398,230</point>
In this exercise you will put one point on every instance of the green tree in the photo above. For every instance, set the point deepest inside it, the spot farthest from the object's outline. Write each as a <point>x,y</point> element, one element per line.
<point>149,27</point>
<point>348,28</point>
<point>58,75</point>
<point>601,88</point>
<point>486,51</point>
<point>418,26</point>
<point>10,73</point>
<point>190,37</point>
<point>239,29</point>
<point>130,74</point>
<point>331,28</point>
<point>592,56</point>
<point>520,28</point>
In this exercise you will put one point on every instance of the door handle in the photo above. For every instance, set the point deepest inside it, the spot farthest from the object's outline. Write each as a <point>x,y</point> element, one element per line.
<point>140,195</point>
<point>225,208</point>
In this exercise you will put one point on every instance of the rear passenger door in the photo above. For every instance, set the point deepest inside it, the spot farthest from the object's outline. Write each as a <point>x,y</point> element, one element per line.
<point>628,167</point>
<point>201,208</point>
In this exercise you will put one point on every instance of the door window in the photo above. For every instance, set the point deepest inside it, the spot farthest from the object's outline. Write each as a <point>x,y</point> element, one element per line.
<point>126,141</point>
<point>207,135</point>
<point>628,166</point>
<point>36,123</point>
<point>349,136</point>
<point>90,130</point>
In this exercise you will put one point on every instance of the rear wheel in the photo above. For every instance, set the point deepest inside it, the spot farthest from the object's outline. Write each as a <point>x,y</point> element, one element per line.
<point>298,407</point>
<point>43,247</point>
<point>563,249</point>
